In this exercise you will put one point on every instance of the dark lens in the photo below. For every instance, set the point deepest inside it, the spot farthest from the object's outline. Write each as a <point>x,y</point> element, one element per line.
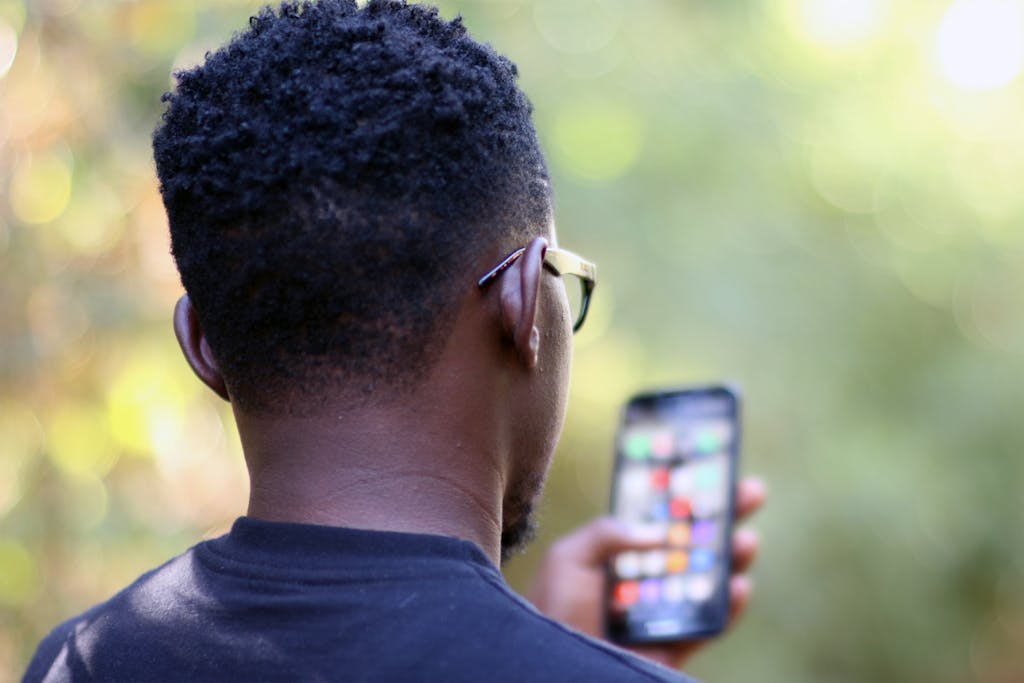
<point>574,288</point>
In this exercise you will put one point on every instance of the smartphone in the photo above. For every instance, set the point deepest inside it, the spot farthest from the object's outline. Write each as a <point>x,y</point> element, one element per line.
<point>677,453</point>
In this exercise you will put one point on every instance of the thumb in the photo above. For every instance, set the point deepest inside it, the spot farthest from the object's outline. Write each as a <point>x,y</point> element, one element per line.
<point>595,543</point>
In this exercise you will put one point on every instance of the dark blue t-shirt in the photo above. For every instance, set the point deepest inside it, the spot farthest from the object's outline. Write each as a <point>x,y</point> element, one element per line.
<point>293,602</point>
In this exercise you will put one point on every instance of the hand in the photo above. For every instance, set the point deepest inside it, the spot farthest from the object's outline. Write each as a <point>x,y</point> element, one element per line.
<point>570,585</point>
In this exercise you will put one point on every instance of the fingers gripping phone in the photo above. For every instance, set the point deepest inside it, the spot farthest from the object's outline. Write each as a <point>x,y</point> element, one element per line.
<point>675,469</point>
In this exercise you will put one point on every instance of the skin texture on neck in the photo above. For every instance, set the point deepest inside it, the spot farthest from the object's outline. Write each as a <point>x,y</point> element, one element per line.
<point>462,454</point>
<point>434,461</point>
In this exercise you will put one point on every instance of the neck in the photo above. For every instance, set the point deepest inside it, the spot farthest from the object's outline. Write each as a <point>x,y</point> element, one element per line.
<point>435,462</point>
<point>375,469</point>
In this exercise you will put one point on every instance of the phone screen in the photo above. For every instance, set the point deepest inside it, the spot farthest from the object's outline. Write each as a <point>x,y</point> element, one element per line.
<point>676,461</point>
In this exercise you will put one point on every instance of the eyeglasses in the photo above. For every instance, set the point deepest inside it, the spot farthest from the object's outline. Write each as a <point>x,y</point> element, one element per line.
<point>579,276</point>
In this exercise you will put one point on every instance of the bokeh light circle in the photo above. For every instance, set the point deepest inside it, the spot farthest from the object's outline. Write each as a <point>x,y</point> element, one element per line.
<point>980,43</point>
<point>8,47</point>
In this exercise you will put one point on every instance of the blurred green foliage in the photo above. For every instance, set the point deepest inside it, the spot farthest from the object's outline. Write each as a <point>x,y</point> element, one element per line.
<point>816,199</point>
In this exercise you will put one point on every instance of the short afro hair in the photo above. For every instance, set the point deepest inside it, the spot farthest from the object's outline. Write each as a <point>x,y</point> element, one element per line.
<point>331,177</point>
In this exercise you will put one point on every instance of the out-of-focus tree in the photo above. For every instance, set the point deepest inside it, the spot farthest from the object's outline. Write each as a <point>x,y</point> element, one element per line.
<point>816,199</point>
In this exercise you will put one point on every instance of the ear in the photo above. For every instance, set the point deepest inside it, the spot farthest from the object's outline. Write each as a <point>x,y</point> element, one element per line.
<point>520,291</point>
<point>195,347</point>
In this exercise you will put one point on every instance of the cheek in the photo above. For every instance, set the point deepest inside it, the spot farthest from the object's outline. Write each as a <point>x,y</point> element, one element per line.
<point>557,326</point>
<point>556,370</point>
<point>550,383</point>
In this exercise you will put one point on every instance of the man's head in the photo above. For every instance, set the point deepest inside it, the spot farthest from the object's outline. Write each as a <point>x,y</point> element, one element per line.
<point>333,177</point>
<point>337,181</point>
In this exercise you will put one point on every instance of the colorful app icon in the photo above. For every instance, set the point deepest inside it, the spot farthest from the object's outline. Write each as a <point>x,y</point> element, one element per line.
<point>676,561</point>
<point>674,589</point>
<point>704,532</point>
<point>681,481</point>
<point>659,511</point>
<point>680,507</point>
<point>650,591</point>
<point>662,444</point>
<point>701,560</point>
<point>700,587</point>
<point>659,478</point>
<point>708,475</point>
<point>712,436</point>
<point>627,593</point>
<point>652,562</point>
<point>679,534</point>
<point>707,441</point>
<point>627,565</point>
<point>637,445</point>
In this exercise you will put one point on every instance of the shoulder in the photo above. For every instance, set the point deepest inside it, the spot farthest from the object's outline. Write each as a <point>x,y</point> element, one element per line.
<point>59,656</point>
<point>48,652</point>
<point>211,618</point>
<point>549,650</point>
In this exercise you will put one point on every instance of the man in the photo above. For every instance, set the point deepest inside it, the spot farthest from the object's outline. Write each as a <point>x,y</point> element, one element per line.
<point>361,216</point>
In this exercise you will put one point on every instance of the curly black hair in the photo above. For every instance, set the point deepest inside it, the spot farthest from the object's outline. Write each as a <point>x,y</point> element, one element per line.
<point>331,177</point>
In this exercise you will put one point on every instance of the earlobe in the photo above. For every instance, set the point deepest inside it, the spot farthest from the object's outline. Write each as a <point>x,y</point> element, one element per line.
<point>520,293</point>
<point>195,347</point>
